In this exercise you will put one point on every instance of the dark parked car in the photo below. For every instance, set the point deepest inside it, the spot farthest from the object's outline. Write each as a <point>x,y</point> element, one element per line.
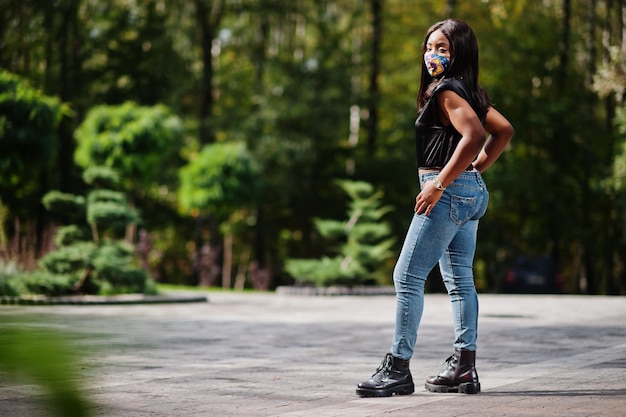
<point>533,275</point>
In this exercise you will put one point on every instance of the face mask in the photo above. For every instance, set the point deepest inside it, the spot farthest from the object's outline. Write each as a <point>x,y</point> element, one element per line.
<point>436,64</point>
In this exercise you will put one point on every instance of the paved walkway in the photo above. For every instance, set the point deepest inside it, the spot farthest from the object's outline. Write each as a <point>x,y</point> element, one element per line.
<point>288,355</point>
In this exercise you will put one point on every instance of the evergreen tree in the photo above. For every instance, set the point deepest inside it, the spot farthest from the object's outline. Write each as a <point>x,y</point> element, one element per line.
<point>363,242</point>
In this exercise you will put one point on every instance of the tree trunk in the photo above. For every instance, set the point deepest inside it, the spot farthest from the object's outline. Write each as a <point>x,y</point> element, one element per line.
<point>619,265</point>
<point>374,92</point>
<point>564,46</point>
<point>70,76</point>
<point>208,16</point>
<point>48,23</point>
<point>591,43</point>
<point>559,143</point>
<point>589,256</point>
<point>208,19</point>
<point>260,56</point>
<point>228,260</point>
<point>242,269</point>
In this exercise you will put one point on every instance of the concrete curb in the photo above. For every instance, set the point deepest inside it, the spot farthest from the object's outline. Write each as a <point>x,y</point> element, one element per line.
<point>336,290</point>
<point>105,300</point>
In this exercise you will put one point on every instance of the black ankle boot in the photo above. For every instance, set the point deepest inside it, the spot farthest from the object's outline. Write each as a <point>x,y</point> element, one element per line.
<point>391,377</point>
<point>458,376</point>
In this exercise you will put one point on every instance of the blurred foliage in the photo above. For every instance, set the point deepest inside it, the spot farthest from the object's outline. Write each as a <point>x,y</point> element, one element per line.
<point>47,283</point>
<point>68,207</point>
<point>8,272</point>
<point>43,357</point>
<point>28,142</point>
<point>133,140</point>
<point>222,178</point>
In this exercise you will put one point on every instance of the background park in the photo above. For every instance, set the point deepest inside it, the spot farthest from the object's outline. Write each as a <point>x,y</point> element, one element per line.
<point>258,143</point>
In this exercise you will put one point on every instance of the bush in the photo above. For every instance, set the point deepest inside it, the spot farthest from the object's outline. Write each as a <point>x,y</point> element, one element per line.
<point>69,259</point>
<point>125,281</point>
<point>105,269</point>
<point>92,260</point>
<point>70,207</point>
<point>6,287</point>
<point>363,242</point>
<point>327,271</point>
<point>8,272</point>
<point>45,283</point>
<point>107,196</point>
<point>111,215</point>
<point>115,272</point>
<point>68,235</point>
<point>101,177</point>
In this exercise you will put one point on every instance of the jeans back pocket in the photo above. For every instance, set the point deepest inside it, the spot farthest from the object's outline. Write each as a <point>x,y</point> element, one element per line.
<point>462,209</point>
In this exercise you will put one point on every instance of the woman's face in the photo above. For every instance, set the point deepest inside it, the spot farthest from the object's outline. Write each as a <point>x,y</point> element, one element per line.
<point>437,54</point>
<point>437,43</point>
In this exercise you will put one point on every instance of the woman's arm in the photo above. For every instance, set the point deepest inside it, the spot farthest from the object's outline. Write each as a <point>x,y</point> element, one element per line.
<point>459,113</point>
<point>456,111</point>
<point>501,133</point>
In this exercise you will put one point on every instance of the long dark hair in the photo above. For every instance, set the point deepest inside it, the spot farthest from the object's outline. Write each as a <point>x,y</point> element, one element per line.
<point>463,62</point>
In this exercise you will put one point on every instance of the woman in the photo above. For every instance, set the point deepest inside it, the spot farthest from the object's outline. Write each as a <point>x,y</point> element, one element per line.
<point>454,115</point>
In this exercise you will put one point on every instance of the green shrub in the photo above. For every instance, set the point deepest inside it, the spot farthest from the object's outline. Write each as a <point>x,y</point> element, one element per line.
<point>101,177</point>
<point>67,206</point>
<point>327,271</point>
<point>110,214</point>
<point>124,281</point>
<point>68,235</point>
<point>362,243</point>
<point>6,289</point>
<point>69,259</point>
<point>116,272</point>
<point>91,256</point>
<point>46,283</point>
<point>8,271</point>
<point>6,286</point>
<point>108,196</point>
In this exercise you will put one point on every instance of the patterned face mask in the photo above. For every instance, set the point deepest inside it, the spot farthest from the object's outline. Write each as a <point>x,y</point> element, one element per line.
<point>436,64</point>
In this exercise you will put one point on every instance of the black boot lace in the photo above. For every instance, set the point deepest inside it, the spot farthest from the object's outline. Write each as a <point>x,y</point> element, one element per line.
<point>385,366</point>
<point>450,364</point>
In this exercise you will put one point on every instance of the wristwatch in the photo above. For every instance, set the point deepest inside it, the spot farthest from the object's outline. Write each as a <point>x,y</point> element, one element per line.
<point>438,185</point>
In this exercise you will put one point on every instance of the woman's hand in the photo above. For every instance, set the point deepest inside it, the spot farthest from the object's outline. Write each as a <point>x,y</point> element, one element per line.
<point>427,198</point>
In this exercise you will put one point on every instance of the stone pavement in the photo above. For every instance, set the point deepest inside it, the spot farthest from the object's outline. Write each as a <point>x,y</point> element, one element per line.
<point>266,354</point>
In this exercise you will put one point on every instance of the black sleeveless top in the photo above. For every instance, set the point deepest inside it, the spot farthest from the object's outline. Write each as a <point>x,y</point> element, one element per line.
<point>434,142</point>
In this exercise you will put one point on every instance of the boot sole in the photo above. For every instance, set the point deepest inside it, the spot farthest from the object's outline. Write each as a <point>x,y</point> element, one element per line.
<point>465,388</point>
<point>398,390</point>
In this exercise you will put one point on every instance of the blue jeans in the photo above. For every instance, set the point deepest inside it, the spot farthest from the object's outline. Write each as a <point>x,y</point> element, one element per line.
<point>448,236</point>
